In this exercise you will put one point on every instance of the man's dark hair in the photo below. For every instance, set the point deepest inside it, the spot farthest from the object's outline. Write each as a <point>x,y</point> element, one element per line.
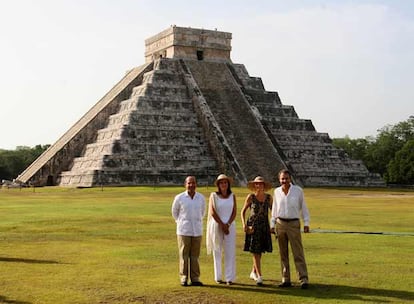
<point>283,171</point>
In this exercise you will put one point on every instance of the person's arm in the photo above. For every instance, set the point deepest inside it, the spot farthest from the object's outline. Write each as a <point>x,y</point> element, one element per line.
<point>203,208</point>
<point>175,208</point>
<point>214,214</point>
<point>273,216</point>
<point>246,205</point>
<point>213,211</point>
<point>270,207</point>
<point>305,214</point>
<point>234,212</point>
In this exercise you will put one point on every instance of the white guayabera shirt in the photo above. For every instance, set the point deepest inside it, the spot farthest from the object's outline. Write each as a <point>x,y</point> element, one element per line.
<point>189,213</point>
<point>290,206</point>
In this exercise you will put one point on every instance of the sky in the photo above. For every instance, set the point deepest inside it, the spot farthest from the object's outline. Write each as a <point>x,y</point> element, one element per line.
<point>346,65</point>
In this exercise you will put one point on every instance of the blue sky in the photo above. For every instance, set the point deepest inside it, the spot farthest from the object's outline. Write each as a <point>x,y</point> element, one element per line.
<point>346,65</point>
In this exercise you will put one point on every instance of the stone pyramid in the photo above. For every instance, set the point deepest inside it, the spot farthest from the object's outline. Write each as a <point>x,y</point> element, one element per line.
<point>190,111</point>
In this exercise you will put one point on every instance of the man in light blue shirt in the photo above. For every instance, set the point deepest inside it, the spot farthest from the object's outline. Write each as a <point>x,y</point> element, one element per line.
<point>188,210</point>
<point>288,207</point>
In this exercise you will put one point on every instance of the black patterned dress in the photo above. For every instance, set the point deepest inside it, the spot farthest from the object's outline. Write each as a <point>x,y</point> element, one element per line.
<point>260,240</point>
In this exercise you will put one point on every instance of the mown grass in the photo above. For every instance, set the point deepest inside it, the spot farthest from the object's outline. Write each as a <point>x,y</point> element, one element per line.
<point>118,245</point>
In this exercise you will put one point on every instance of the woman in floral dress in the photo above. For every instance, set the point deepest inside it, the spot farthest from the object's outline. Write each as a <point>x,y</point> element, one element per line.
<point>258,239</point>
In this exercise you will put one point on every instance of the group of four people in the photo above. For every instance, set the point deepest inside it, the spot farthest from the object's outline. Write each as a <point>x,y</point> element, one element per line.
<point>287,207</point>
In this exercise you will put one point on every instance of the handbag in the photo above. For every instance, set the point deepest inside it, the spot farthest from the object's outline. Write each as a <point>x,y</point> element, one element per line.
<point>250,227</point>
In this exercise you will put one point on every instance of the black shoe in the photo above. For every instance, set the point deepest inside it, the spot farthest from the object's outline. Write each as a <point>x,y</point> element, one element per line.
<point>304,285</point>
<point>197,283</point>
<point>285,284</point>
<point>184,284</point>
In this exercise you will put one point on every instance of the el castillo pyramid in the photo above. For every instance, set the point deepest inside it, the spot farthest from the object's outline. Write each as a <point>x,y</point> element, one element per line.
<point>189,110</point>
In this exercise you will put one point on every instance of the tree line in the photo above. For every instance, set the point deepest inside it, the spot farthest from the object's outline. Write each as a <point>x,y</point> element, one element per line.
<point>390,153</point>
<point>13,162</point>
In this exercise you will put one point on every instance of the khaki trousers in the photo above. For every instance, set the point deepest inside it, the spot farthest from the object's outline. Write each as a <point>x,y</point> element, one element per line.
<point>189,252</point>
<point>289,232</point>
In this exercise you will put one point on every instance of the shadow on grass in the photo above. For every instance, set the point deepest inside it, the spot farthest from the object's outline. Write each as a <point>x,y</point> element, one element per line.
<point>327,291</point>
<point>3,299</point>
<point>29,261</point>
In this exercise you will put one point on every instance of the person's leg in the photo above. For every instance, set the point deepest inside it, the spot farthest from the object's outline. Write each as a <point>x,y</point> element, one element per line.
<point>257,265</point>
<point>230,255</point>
<point>283,241</point>
<point>194,255</point>
<point>217,253</point>
<point>184,243</point>
<point>297,251</point>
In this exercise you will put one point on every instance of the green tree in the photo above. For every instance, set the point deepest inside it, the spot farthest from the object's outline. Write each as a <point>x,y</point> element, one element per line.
<point>387,143</point>
<point>400,170</point>
<point>13,162</point>
<point>355,148</point>
<point>378,152</point>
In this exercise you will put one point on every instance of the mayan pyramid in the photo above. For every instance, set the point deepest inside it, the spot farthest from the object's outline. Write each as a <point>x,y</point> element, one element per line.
<point>189,110</point>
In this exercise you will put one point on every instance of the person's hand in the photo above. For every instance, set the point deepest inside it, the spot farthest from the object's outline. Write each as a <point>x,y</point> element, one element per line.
<point>272,230</point>
<point>225,228</point>
<point>306,229</point>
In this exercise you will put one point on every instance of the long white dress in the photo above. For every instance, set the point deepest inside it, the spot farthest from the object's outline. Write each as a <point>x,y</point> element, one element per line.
<point>220,243</point>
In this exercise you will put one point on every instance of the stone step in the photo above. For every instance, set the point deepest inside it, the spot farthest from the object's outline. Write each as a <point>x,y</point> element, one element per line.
<point>163,78</point>
<point>302,137</point>
<point>263,98</point>
<point>138,131</point>
<point>142,177</point>
<point>165,103</point>
<point>160,91</point>
<point>147,145</point>
<point>174,119</point>
<point>283,123</point>
<point>267,112</point>
<point>130,163</point>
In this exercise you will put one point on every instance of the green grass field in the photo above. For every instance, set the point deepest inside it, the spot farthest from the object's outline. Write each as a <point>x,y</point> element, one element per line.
<point>118,245</point>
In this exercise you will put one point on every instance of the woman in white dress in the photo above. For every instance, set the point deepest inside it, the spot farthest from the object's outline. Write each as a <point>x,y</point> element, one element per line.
<point>221,229</point>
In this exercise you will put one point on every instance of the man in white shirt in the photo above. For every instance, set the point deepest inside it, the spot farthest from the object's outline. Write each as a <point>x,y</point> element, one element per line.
<point>188,210</point>
<point>288,206</point>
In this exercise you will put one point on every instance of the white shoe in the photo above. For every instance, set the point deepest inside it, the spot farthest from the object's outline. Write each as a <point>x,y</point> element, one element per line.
<point>259,281</point>
<point>253,276</point>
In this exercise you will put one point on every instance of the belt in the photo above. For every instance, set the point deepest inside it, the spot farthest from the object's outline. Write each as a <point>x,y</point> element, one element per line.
<point>287,219</point>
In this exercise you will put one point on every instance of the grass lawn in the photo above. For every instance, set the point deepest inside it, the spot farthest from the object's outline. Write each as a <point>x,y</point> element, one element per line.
<point>118,245</point>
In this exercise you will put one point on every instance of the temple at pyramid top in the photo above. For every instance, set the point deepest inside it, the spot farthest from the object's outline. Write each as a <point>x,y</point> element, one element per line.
<point>188,43</point>
<point>189,110</point>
